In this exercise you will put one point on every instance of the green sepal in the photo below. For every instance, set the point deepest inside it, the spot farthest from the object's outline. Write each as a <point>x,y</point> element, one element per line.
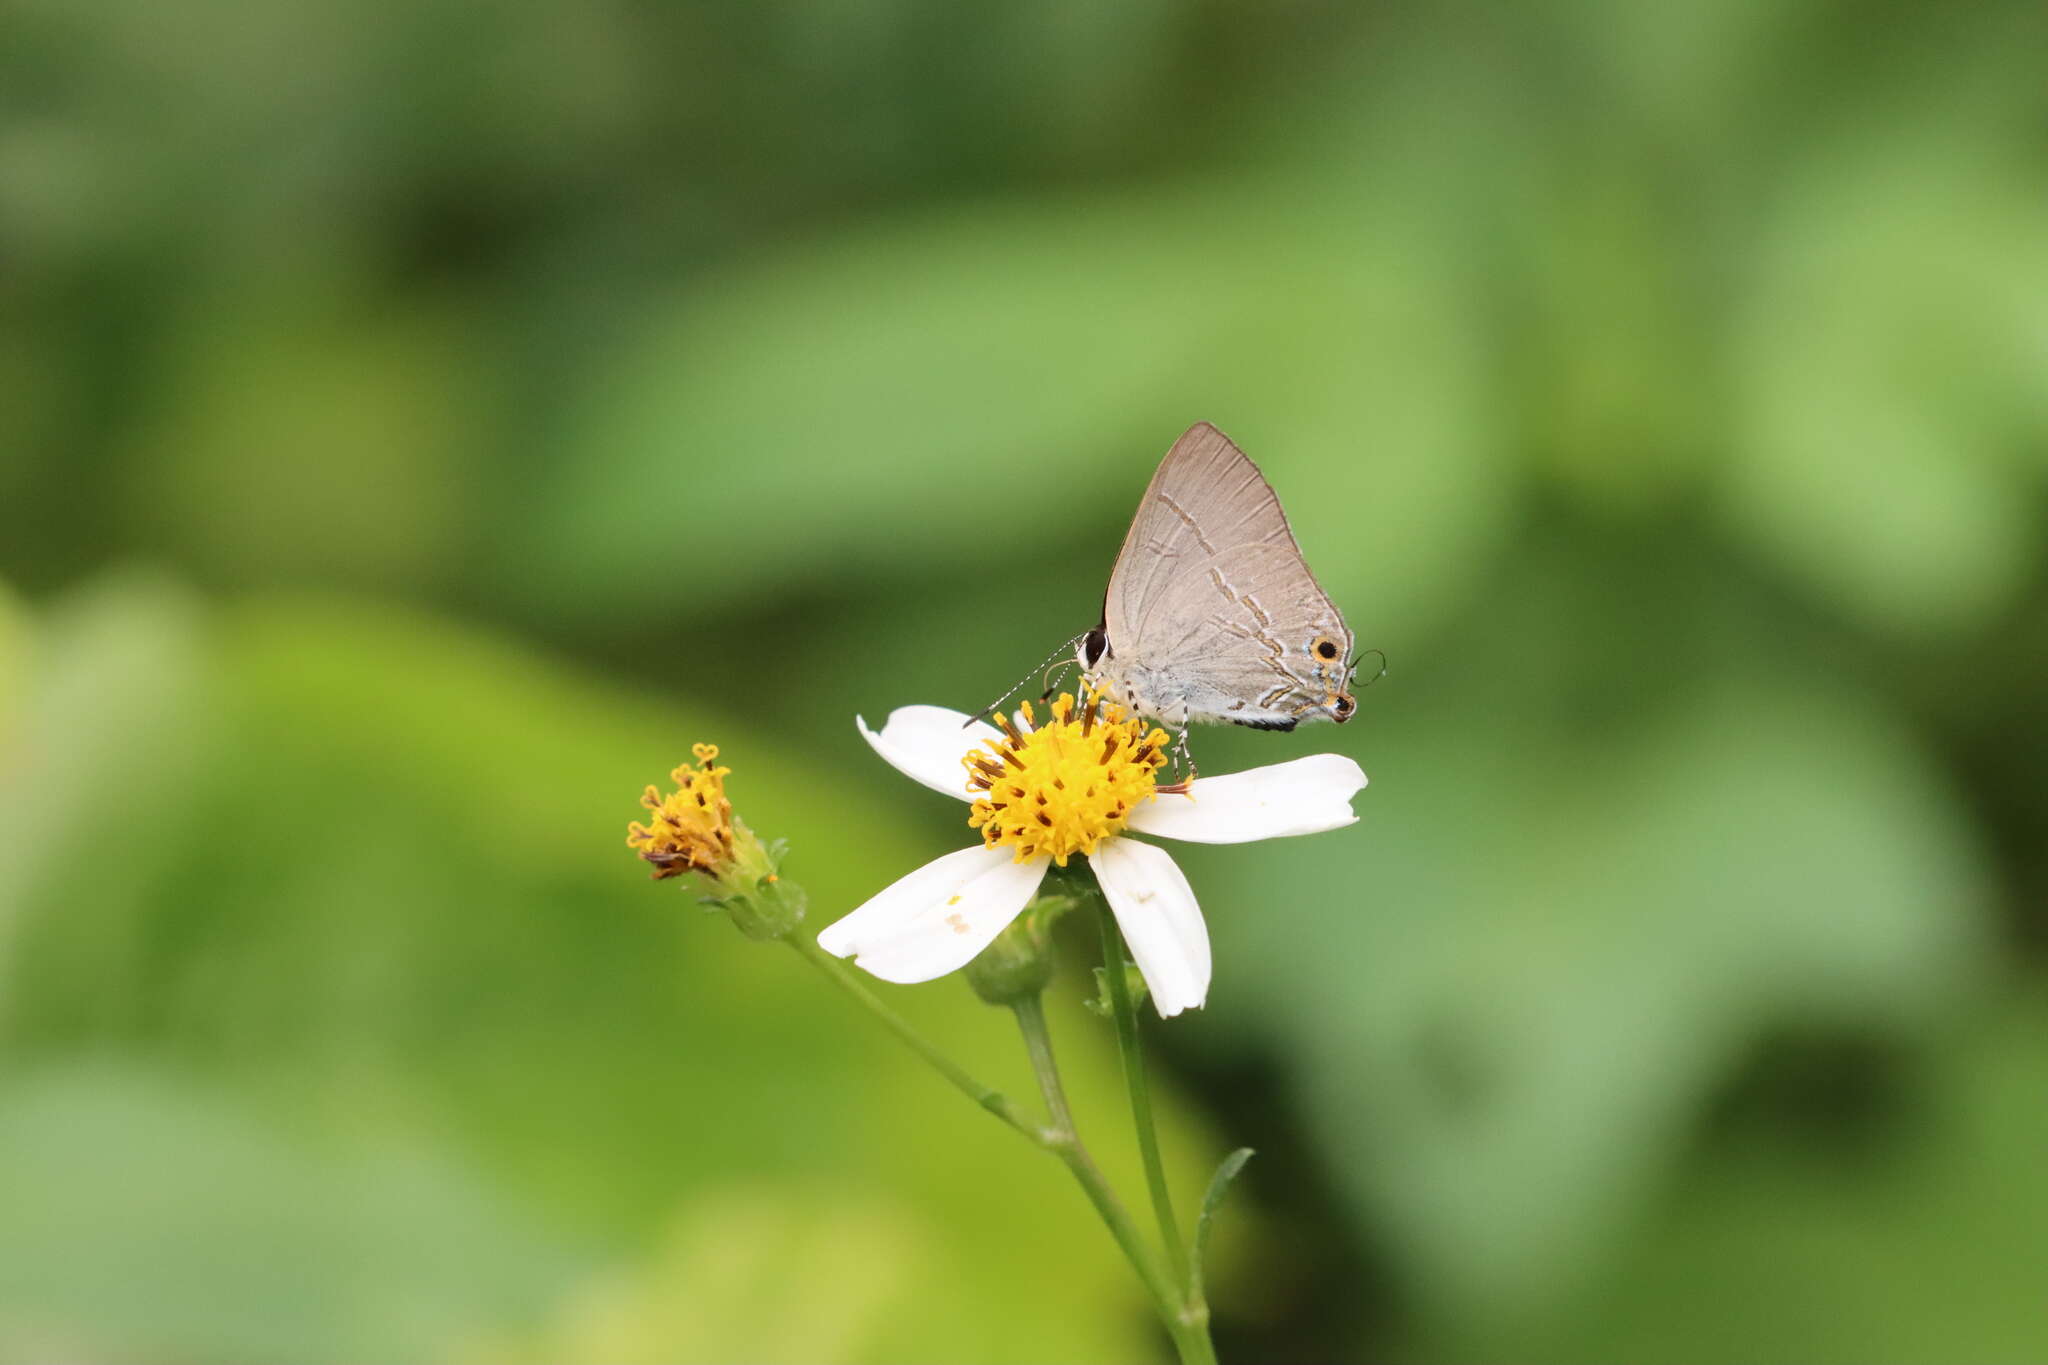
<point>760,903</point>
<point>1134,982</point>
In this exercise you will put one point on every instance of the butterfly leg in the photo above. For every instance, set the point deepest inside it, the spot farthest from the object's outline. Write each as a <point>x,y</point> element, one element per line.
<point>1183,760</point>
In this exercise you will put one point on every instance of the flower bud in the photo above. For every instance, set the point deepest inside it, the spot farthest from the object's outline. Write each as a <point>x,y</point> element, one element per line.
<point>1020,962</point>
<point>694,830</point>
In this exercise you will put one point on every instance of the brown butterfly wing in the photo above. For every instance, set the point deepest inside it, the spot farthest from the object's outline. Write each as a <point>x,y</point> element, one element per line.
<point>1210,584</point>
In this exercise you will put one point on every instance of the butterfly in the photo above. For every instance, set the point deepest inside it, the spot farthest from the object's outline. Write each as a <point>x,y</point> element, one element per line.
<point>1212,614</point>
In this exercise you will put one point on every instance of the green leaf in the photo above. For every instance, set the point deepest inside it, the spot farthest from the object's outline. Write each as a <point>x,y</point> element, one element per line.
<point>101,697</point>
<point>1219,1186</point>
<point>154,1216</point>
<point>1885,367</point>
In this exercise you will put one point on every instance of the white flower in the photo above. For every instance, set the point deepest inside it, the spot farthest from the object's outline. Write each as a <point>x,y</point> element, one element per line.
<point>1073,785</point>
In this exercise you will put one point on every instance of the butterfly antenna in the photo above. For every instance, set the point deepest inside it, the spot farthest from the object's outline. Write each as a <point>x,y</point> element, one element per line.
<point>1038,672</point>
<point>1351,669</point>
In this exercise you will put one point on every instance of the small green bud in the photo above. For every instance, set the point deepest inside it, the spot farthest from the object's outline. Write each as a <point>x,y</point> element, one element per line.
<point>1020,961</point>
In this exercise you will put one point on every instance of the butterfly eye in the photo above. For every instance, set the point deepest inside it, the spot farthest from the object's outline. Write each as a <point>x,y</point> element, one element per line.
<point>1093,647</point>
<point>1325,649</point>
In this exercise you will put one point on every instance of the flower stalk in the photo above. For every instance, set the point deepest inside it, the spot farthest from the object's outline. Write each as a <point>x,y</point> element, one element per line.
<point>1017,981</point>
<point>1129,1046</point>
<point>955,1075</point>
<point>1190,1331</point>
<point>1186,1322</point>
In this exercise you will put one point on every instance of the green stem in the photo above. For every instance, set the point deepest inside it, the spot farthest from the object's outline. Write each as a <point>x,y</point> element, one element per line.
<point>1141,1097</point>
<point>1190,1335</point>
<point>1187,1321</point>
<point>992,1100</point>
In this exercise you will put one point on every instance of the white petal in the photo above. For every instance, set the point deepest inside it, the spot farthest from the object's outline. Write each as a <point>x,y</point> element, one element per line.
<point>939,917</point>
<point>1306,796</point>
<point>1155,907</point>
<point>926,743</point>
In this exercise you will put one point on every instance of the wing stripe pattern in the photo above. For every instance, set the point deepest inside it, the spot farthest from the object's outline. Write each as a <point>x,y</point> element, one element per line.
<point>1211,586</point>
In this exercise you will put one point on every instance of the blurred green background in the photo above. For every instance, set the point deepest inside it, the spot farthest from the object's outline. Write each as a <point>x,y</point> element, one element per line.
<point>420,422</point>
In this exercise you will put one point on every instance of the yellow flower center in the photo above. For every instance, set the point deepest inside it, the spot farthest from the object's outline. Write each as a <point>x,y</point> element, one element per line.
<point>1061,788</point>
<point>692,827</point>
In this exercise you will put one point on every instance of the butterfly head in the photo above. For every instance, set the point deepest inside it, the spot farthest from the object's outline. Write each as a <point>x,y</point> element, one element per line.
<point>1091,648</point>
<point>1092,653</point>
